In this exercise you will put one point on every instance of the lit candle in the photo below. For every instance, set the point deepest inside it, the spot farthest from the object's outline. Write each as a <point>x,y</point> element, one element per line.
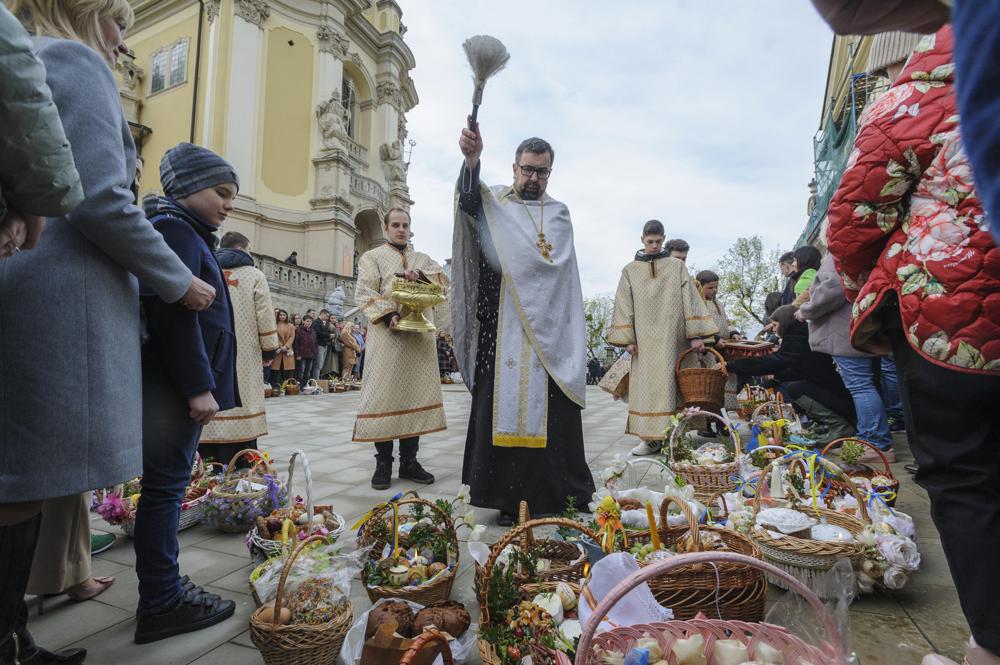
<point>654,535</point>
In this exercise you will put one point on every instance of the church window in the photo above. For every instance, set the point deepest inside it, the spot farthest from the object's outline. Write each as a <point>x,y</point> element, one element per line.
<point>168,66</point>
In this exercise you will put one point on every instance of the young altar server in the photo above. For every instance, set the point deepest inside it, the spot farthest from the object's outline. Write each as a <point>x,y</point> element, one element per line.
<point>401,393</point>
<point>710,290</point>
<point>658,314</point>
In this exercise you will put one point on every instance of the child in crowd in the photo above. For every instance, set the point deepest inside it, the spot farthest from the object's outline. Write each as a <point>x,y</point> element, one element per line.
<point>189,374</point>
<point>710,289</point>
<point>678,249</point>
<point>658,314</point>
<point>305,349</point>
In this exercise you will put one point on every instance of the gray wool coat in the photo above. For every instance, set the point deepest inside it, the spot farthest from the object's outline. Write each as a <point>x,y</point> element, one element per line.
<point>71,394</point>
<point>829,314</point>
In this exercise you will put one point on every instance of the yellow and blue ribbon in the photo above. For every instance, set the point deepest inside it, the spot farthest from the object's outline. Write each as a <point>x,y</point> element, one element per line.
<point>394,504</point>
<point>883,496</point>
<point>743,484</point>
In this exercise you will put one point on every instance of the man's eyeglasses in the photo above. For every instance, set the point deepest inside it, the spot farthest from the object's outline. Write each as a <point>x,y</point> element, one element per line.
<point>528,171</point>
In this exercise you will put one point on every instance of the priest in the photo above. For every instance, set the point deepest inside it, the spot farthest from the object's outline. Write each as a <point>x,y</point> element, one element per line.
<point>517,315</point>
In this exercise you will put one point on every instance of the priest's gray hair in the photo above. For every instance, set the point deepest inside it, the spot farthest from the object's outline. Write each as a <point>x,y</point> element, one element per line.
<point>535,145</point>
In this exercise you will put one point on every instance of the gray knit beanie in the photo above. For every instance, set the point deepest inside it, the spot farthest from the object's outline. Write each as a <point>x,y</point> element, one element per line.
<point>189,168</point>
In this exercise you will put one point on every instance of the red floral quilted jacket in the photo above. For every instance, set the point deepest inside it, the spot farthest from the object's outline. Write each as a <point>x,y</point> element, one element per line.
<point>906,219</point>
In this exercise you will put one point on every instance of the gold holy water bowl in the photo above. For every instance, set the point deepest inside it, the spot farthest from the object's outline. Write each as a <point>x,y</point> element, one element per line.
<point>415,297</point>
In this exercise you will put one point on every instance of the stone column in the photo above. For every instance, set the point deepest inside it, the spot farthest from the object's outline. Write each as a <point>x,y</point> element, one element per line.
<point>212,10</point>
<point>243,113</point>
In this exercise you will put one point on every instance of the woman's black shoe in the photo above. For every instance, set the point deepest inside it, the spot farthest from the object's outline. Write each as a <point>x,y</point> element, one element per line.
<point>505,519</point>
<point>196,610</point>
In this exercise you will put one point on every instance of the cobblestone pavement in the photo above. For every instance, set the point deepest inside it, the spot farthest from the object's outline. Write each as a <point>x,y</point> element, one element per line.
<point>895,628</point>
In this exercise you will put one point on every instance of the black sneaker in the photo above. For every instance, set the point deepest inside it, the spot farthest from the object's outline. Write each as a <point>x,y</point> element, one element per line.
<point>411,470</point>
<point>196,610</point>
<point>382,478</point>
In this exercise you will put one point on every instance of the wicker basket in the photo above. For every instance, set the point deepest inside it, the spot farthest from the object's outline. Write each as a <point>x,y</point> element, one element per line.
<point>439,588</point>
<point>806,559</point>
<point>750,399</point>
<point>776,409</point>
<point>262,549</point>
<point>566,562</point>
<point>236,512</point>
<point>726,591</point>
<point>299,644</point>
<point>707,479</point>
<point>703,387</point>
<point>636,472</point>
<point>423,641</point>
<point>591,649</point>
<point>841,487</point>
<point>749,348</point>
<point>192,510</point>
<point>291,387</point>
<point>487,653</point>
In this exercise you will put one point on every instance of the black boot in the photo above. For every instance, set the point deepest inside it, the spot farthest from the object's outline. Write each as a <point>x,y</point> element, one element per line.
<point>382,478</point>
<point>409,467</point>
<point>17,549</point>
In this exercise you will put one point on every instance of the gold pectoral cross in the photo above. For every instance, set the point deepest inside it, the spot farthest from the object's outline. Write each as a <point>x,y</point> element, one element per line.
<point>545,247</point>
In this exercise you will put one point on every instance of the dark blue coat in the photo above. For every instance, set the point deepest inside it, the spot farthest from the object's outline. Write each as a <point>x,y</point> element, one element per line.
<point>195,350</point>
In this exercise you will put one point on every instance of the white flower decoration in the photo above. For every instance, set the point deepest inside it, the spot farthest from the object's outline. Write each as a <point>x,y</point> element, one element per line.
<point>477,532</point>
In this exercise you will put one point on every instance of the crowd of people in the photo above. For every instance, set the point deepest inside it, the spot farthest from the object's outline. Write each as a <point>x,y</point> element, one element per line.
<point>897,327</point>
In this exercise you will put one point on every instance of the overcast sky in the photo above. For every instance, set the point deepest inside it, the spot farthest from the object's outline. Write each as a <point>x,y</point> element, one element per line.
<point>699,113</point>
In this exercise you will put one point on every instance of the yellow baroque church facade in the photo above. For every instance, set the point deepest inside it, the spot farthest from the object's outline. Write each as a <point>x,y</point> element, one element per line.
<point>306,98</point>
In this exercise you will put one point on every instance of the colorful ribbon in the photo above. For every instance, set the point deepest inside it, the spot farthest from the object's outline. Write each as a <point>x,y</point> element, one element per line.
<point>883,496</point>
<point>743,484</point>
<point>391,502</point>
<point>816,471</point>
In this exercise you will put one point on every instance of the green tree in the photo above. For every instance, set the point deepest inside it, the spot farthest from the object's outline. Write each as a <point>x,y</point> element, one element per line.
<point>597,311</point>
<point>747,273</point>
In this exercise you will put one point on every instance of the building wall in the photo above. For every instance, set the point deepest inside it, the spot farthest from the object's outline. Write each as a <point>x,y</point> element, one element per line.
<point>266,66</point>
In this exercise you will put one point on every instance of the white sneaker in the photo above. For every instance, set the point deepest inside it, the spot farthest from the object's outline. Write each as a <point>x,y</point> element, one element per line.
<point>647,448</point>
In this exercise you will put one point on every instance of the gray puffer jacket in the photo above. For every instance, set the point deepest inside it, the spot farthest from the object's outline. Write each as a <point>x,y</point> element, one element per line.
<point>37,174</point>
<point>829,314</point>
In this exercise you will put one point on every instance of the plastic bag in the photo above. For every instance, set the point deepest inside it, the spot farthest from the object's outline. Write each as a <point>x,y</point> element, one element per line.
<point>318,584</point>
<point>838,587</point>
<point>354,643</point>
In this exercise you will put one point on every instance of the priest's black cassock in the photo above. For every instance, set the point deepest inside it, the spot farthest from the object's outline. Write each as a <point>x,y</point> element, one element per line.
<point>500,477</point>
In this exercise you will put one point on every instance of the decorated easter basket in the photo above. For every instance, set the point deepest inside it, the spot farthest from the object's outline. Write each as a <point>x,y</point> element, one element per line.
<point>262,548</point>
<point>804,558</point>
<point>425,640</point>
<point>739,635</point>
<point>377,532</point>
<point>233,508</point>
<point>707,479</point>
<point>300,643</point>
<point>488,651</point>
<point>884,491</point>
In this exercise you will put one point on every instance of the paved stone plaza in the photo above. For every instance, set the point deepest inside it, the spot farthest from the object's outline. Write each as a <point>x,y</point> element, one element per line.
<point>887,628</point>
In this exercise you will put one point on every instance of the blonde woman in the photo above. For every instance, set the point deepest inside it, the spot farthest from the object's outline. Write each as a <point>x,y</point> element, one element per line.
<point>351,351</point>
<point>83,428</point>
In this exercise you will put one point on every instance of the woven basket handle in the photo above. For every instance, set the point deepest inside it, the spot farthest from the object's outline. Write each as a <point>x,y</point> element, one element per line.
<point>830,466</point>
<point>721,496</point>
<point>449,525</point>
<point>836,442</point>
<point>692,522</point>
<point>648,461</point>
<point>734,436</point>
<point>509,538</point>
<point>523,517</point>
<point>255,456</point>
<point>309,485</point>
<point>664,566</point>
<point>421,641</point>
<point>708,349</point>
<point>286,569</point>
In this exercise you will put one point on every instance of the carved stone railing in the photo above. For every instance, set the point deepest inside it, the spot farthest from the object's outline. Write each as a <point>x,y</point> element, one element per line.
<point>296,289</point>
<point>357,152</point>
<point>367,188</point>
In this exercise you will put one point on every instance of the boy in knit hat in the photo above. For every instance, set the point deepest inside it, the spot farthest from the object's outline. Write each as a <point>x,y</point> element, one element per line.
<point>189,373</point>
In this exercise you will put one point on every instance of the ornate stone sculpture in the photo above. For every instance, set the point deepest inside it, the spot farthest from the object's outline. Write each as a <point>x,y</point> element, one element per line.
<point>392,163</point>
<point>130,72</point>
<point>333,120</point>
<point>388,92</point>
<point>253,11</point>
<point>212,9</point>
<point>332,41</point>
